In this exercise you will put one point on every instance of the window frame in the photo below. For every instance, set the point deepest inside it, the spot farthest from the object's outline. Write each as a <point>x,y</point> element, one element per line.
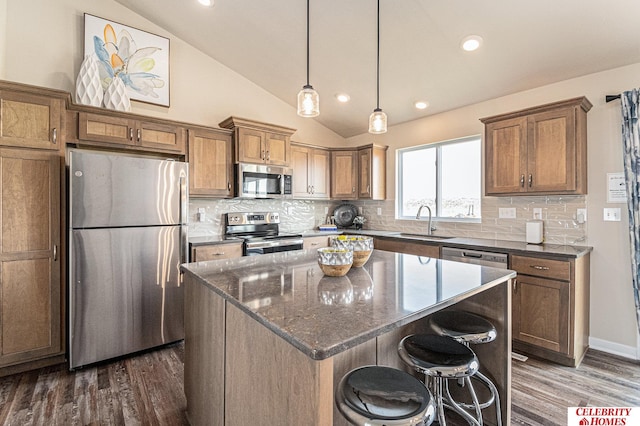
<point>436,145</point>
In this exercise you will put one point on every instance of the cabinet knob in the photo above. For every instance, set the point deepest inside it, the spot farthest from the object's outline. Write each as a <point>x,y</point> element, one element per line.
<point>55,135</point>
<point>522,181</point>
<point>530,180</point>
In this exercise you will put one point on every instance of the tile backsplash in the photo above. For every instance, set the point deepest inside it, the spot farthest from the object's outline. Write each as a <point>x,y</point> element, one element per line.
<point>559,215</point>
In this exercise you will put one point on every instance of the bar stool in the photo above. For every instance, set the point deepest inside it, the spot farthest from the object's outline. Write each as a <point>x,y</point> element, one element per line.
<point>469,329</point>
<point>376,395</point>
<point>441,358</point>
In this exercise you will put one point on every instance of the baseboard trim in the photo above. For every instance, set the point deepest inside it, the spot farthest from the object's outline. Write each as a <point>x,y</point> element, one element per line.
<point>614,348</point>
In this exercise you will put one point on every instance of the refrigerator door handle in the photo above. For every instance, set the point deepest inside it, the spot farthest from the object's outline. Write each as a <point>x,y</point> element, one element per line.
<point>184,205</point>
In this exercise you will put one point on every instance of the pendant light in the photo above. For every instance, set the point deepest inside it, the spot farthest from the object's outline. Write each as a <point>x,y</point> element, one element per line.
<point>308,98</point>
<point>378,119</point>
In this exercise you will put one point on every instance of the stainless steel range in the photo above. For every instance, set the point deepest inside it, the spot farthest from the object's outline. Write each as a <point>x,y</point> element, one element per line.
<point>260,232</point>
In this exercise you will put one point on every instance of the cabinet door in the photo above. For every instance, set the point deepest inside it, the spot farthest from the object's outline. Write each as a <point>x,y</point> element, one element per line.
<point>161,136</point>
<point>541,313</point>
<point>251,145</point>
<point>320,173</point>
<point>30,294</point>
<point>506,156</point>
<point>104,128</point>
<point>29,120</point>
<point>278,149</point>
<point>210,164</point>
<point>364,173</point>
<point>551,151</point>
<point>344,176</point>
<point>300,163</point>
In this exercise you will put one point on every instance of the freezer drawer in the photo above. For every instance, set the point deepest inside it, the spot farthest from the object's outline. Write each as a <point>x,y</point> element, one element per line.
<point>125,293</point>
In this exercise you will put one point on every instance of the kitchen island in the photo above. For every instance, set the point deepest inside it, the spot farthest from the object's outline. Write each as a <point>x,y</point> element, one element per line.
<point>268,337</point>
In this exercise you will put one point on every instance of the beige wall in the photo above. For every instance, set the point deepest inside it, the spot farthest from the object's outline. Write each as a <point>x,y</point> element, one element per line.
<point>47,37</point>
<point>613,324</point>
<point>41,44</point>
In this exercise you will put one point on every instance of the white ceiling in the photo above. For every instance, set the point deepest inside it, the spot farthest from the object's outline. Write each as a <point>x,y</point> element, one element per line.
<point>526,44</point>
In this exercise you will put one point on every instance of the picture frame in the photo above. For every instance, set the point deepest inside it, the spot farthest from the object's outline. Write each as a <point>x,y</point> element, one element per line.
<point>139,58</point>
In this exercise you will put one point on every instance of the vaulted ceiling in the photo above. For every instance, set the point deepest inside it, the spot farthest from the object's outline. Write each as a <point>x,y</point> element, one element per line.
<point>526,44</point>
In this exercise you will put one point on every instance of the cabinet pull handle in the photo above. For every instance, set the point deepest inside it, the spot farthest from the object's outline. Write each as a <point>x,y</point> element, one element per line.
<point>515,286</point>
<point>368,188</point>
<point>55,252</point>
<point>221,253</point>
<point>314,244</point>
<point>313,189</point>
<point>540,268</point>
<point>353,189</point>
<point>130,133</point>
<point>530,180</point>
<point>309,189</point>
<point>522,181</point>
<point>55,135</point>
<point>228,186</point>
<point>268,156</point>
<point>139,134</point>
<point>262,155</point>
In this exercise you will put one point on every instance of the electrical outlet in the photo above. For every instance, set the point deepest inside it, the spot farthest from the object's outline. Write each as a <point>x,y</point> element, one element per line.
<point>537,213</point>
<point>507,213</point>
<point>201,214</point>
<point>360,210</point>
<point>612,215</point>
<point>581,215</point>
<point>379,211</point>
<point>326,210</point>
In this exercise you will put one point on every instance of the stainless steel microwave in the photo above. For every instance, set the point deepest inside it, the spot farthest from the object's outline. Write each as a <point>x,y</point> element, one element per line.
<point>262,181</point>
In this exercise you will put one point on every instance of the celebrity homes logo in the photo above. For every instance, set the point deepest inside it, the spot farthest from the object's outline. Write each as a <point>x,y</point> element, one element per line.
<point>602,416</point>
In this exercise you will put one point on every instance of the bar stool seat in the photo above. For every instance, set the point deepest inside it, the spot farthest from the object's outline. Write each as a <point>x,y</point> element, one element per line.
<point>441,358</point>
<point>377,395</point>
<point>463,326</point>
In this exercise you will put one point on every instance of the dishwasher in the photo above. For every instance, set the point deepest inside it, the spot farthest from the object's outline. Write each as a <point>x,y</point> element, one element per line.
<point>484,258</point>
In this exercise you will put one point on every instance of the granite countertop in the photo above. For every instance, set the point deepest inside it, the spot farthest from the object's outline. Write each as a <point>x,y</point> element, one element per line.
<point>323,316</point>
<point>513,247</point>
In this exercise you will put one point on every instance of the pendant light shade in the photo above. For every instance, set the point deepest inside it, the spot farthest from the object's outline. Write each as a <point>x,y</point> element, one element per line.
<point>378,119</point>
<point>308,98</point>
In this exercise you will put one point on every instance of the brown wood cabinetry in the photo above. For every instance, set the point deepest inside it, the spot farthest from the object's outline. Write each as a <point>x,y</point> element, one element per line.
<point>258,142</point>
<point>30,289</point>
<point>541,150</point>
<point>315,242</point>
<point>311,172</point>
<point>551,307</point>
<point>30,120</point>
<point>216,252</point>
<point>407,247</point>
<point>123,130</point>
<point>359,173</point>
<point>210,163</point>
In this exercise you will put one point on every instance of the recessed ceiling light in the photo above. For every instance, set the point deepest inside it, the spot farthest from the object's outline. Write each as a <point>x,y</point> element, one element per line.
<point>343,97</point>
<point>206,2</point>
<point>471,43</point>
<point>421,104</point>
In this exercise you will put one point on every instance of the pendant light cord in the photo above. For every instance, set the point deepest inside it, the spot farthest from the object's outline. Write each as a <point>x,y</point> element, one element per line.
<point>378,63</point>
<point>308,42</point>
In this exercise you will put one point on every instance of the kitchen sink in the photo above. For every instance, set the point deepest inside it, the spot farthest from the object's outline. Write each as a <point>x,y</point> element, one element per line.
<point>425,236</point>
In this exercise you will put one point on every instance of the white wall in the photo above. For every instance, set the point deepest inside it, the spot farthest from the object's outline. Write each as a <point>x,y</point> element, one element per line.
<point>3,38</point>
<point>44,47</point>
<point>613,324</point>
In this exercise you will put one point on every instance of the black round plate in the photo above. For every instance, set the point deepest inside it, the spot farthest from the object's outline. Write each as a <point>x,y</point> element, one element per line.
<point>344,215</point>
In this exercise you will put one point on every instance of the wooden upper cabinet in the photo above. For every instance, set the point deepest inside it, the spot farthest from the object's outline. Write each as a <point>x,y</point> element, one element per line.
<point>541,150</point>
<point>260,143</point>
<point>210,163</point>
<point>372,172</point>
<point>30,289</point>
<point>344,175</point>
<point>122,130</point>
<point>311,172</point>
<point>30,120</point>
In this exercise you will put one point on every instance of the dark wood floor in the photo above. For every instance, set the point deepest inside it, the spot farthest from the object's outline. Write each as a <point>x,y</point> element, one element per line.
<point>148,390</point>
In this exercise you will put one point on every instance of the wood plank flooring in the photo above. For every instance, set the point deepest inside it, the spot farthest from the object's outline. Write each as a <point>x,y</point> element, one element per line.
<point>148,390</point>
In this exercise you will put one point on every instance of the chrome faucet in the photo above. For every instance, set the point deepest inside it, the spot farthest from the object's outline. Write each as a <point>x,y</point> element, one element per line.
<point>429,229</point>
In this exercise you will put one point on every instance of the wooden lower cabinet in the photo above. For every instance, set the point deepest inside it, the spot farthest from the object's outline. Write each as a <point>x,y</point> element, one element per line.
<point>407,247</point>
<point>551,308</point>
<point>315,242</point>
<point>30,290</point>
<point>216,252</point>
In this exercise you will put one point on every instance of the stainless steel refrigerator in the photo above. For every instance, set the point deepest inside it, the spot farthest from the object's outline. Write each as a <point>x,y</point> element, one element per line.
<point>127,238</point>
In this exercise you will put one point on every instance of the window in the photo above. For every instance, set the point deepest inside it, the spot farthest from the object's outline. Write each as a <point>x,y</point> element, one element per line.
<point>444,176</point>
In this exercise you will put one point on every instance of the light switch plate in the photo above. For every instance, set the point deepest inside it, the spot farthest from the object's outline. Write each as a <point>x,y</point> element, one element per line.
<point>537,213</point>
<point>379,211</point>
<point>612,214</point>
<point>581,215</point>
<point>507,213</point>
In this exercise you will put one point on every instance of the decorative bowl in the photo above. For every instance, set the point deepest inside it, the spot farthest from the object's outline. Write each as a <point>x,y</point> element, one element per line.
<point>335,262</point>
<point>362,247</point>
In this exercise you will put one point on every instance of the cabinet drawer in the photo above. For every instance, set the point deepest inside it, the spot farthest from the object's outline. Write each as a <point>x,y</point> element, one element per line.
<point>547,268</point>
<point>216,252</point>
<point>315,242</point>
